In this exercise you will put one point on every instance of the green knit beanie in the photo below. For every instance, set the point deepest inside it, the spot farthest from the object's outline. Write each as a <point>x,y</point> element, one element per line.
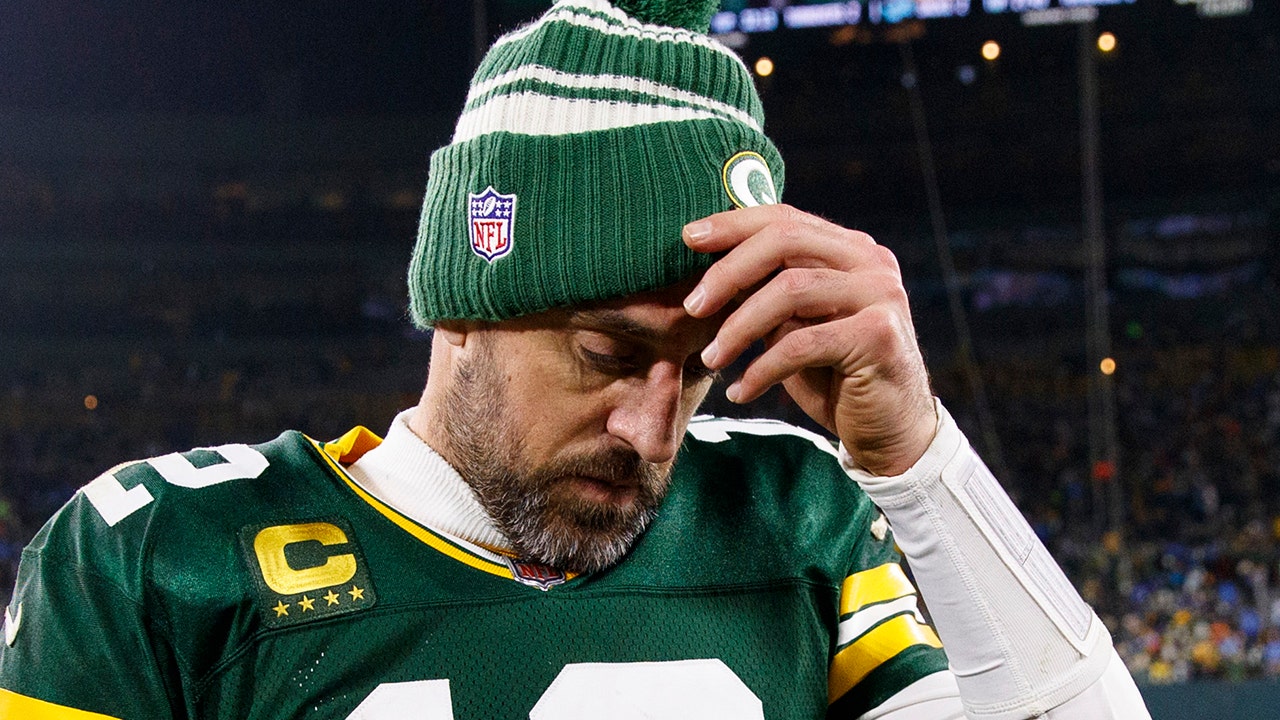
<point>589,139</point>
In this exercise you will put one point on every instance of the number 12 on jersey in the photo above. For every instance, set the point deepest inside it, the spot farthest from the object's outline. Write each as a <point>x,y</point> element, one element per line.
<point>674,690</point>
<point>114,503</point>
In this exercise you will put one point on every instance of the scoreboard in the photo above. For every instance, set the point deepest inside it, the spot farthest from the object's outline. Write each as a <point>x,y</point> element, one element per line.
<point>759,16</point>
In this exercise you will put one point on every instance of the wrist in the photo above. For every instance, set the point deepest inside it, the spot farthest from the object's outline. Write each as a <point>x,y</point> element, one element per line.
<point>888,459</point>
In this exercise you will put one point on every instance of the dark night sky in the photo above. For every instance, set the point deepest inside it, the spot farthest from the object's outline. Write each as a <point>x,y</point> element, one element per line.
<point>1190,105</point>
<point>232,56</point>
<point>325,57</point>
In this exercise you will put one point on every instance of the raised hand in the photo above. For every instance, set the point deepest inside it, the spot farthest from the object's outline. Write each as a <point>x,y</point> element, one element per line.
<point>832,311</point>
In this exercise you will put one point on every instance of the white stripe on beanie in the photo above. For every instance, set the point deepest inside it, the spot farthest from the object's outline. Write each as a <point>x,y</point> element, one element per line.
<point>563,116</point>
<point>626,83</point>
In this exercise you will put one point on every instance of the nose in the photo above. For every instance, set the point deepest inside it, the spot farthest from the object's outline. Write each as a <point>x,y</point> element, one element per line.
<point>646,415</point>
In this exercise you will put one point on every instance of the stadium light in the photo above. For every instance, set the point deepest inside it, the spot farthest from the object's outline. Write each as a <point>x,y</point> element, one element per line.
<point>764,67</point>
<point>1106,42</point>
<point>991,50</point>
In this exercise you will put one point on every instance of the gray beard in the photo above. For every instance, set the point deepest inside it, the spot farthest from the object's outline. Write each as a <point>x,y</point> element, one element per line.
<point>534,507</point>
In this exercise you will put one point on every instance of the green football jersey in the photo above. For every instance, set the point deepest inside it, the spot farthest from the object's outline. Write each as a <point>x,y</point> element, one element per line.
<point>263,582</point>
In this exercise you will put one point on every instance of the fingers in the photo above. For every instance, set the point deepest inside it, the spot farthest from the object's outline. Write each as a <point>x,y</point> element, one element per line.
<point>852,346</point>
<point>819,294</point>
<point>832,311</point>
<point>719,232</point>
<point>761,240</point>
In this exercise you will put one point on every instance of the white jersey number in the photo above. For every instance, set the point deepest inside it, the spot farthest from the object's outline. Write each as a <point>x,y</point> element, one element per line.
<point>114,503</point>
<point>702,689</point>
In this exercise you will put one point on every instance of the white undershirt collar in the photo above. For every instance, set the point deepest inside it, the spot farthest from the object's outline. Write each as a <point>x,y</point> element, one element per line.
<point>406,474</point>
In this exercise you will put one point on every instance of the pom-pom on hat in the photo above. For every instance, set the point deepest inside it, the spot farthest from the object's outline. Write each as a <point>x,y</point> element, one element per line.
<point>589,138</point>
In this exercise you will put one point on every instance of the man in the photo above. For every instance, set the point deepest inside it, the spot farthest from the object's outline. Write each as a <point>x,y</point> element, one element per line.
<point>551,533</point>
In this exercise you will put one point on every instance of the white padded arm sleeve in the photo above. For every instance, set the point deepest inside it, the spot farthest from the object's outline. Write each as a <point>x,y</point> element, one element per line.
<point>932,697</point>
<point>1018,636</point>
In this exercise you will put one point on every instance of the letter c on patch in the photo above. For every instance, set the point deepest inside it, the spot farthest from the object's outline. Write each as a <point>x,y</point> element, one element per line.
<point>269,545</point>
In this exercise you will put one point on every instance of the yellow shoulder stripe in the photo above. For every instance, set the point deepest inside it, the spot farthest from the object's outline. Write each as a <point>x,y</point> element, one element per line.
<point>356,442</point>
<point>403,522</point>
<point>878,584</point>
<point>868,652</point>
<point>13,705</point>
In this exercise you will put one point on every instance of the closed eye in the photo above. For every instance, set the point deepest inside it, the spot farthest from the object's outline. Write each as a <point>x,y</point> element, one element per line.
<point>612,364</point>
<point>694,370</point>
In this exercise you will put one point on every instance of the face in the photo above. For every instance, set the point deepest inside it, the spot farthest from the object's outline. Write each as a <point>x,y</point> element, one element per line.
<point>566,423</point>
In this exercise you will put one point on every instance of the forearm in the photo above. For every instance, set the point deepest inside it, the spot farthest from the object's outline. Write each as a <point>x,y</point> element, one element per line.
<point>1019,638</point>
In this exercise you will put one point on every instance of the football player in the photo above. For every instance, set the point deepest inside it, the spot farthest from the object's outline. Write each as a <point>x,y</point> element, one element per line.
<point>551,533</point>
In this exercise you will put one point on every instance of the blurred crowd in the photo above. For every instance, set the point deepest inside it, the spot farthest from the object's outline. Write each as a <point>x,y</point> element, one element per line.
<point>1188,584</point>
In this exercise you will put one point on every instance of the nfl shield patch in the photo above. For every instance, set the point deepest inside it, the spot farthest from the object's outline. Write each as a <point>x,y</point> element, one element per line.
<point>536,575</point>
<point>492,216</point>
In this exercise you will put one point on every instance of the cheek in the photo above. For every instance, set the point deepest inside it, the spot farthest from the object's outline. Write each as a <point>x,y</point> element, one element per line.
<point>553,412</point>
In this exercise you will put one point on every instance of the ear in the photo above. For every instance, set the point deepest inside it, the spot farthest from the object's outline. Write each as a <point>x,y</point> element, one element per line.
<point>454,332</point>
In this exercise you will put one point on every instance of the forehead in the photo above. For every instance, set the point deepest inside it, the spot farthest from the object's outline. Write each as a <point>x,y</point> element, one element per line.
<point>656,317</point>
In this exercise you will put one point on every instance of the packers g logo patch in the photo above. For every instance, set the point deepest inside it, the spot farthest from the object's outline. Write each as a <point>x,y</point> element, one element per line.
<point>748,181</point>
<point>306,571</point>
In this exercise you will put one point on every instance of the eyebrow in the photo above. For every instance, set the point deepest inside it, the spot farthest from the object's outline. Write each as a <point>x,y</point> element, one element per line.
<point>615,322</point>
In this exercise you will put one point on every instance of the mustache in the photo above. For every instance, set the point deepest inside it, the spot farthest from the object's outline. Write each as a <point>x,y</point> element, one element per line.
<point>616,467</point>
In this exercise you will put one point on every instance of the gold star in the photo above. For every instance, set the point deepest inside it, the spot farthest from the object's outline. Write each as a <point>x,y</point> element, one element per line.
<point>356,593</point>
<point>332,597</point>
<point>281,609</point>
<point>306,603</point>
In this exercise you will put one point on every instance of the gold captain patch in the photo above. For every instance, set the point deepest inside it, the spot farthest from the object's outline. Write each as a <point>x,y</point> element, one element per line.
<point>307,570</point>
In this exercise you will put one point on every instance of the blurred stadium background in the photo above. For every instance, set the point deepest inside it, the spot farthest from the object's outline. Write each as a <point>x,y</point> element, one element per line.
<point>206,210</point>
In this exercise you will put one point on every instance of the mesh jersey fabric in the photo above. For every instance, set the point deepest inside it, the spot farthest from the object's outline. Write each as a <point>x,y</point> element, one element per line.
<point>262,582</point>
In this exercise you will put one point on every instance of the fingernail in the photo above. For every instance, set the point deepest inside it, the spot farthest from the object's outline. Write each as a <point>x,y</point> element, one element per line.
<point>709,354</point>
<point>698,230</point>
<point>693,303</point>
<point>734,391</point>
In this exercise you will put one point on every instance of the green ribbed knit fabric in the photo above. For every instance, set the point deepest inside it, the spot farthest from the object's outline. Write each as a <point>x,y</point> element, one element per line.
<point>588,140</point>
